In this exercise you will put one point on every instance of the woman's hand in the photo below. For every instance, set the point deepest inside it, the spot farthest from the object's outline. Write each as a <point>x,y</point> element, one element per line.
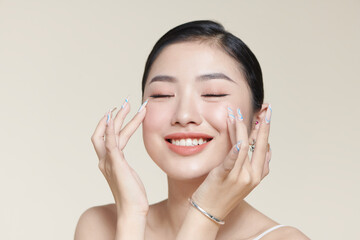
<point>109,140</point>
<point>230,182</point>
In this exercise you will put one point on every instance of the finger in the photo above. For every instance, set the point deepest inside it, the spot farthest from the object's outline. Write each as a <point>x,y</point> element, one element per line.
<point>241,135</point>
<point>231,126</point>
<point>255,131</point>
<point>266,164</point>
<point>120,116</point>
<point>246,167</point>
<point>227,165</point>
<point>259,154</point>
<point>97,138</point>
<point>131,127</point>
<point>110,138</point>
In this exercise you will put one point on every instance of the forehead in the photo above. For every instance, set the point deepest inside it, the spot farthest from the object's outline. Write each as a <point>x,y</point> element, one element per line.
<point>189,59</point>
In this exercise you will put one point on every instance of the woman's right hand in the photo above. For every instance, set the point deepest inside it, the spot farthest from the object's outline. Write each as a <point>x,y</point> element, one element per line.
<point>109,140</point>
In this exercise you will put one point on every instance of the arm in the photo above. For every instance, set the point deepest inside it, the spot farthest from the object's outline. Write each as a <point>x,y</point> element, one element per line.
<point>131,228</point>
<point>131,204</point>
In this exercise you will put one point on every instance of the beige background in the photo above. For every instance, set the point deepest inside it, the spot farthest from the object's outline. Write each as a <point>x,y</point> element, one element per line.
<point>64,63</point>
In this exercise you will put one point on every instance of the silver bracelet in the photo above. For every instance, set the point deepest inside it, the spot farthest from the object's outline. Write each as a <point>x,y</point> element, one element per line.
<point>218,221</point>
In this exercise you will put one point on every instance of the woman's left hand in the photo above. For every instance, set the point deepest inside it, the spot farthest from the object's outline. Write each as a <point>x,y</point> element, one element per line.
<point>231,181</point>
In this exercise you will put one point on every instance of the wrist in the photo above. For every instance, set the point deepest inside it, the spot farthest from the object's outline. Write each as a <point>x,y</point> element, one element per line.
<point>132,212</point>
<point>197,226</point>
<point>210,207</point>
<point>201,220</point>
<point>205,213</point>
<point>130,226</point>
<point>126,218</point>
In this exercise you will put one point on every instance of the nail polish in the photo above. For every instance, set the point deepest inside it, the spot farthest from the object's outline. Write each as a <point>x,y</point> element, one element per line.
<point>231,114</point>
<point>126,101</point>
<point>108,118</point>
<point>240,116</point>
<point>268,114</point>
<point>143,105</point>
<point>109,115</point>
<point>238,145</point>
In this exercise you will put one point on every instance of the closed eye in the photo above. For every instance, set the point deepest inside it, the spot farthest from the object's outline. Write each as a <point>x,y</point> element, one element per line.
<point>204,95</point>
<point>161,96</point>
<point>215,95</point>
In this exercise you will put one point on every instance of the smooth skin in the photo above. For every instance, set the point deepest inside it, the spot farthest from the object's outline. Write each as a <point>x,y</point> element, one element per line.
<point>218,178</point>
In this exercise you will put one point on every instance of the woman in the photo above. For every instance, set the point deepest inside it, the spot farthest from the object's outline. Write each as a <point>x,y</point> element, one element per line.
<point>204,108</point>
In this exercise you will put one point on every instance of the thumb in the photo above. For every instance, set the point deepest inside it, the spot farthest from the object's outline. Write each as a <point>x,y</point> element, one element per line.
<point>227,165</point>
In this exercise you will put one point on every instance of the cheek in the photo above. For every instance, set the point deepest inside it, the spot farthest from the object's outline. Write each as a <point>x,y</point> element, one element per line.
<point>153,124</point>
<point>155,118</point>
<point>216,115</point>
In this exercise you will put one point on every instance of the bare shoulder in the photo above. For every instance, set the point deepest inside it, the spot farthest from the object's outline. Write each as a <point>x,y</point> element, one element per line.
<point>97,222</point>
<point>285,233</point>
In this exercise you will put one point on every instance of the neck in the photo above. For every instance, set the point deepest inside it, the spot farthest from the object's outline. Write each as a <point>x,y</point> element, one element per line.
<point>177,204</point>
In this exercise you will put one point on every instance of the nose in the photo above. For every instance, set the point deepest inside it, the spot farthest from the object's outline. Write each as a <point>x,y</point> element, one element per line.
<point>186,112</point>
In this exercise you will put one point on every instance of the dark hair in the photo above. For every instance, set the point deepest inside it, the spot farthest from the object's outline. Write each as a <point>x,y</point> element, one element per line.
<point>206,30</point>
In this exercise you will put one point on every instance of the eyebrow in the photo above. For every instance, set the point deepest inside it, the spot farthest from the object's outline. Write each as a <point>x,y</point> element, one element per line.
<point>210,76</point>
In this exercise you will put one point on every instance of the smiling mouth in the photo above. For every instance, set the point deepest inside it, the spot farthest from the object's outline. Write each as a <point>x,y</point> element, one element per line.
<point>188,142</point>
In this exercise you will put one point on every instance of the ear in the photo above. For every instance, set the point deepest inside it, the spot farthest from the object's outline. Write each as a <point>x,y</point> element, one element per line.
<point>258,116</point>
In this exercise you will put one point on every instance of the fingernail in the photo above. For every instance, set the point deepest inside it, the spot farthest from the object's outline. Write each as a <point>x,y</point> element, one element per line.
<point>231,115</point>
<point>238,146</point>
<point>143,105</point>
<point>240,116</point>
<point>108,118</point>
<point>125,102</point>
<point>270,153</point>
<point>268,114</point>
<point>109,115</point>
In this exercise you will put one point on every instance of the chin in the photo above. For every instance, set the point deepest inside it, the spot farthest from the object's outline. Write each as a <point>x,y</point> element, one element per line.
<point>189,168</point>
<point>184,174</point>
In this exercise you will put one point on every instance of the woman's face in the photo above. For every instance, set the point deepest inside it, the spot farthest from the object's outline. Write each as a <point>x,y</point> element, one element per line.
<point>190,85</point>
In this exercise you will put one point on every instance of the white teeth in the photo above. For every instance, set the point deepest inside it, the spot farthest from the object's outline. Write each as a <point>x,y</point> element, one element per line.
<point>188,142</point>
<point>182,142</point>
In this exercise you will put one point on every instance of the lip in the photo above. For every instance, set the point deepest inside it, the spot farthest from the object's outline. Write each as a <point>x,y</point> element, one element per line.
<point>187,150</point>
<point>187,135</point>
